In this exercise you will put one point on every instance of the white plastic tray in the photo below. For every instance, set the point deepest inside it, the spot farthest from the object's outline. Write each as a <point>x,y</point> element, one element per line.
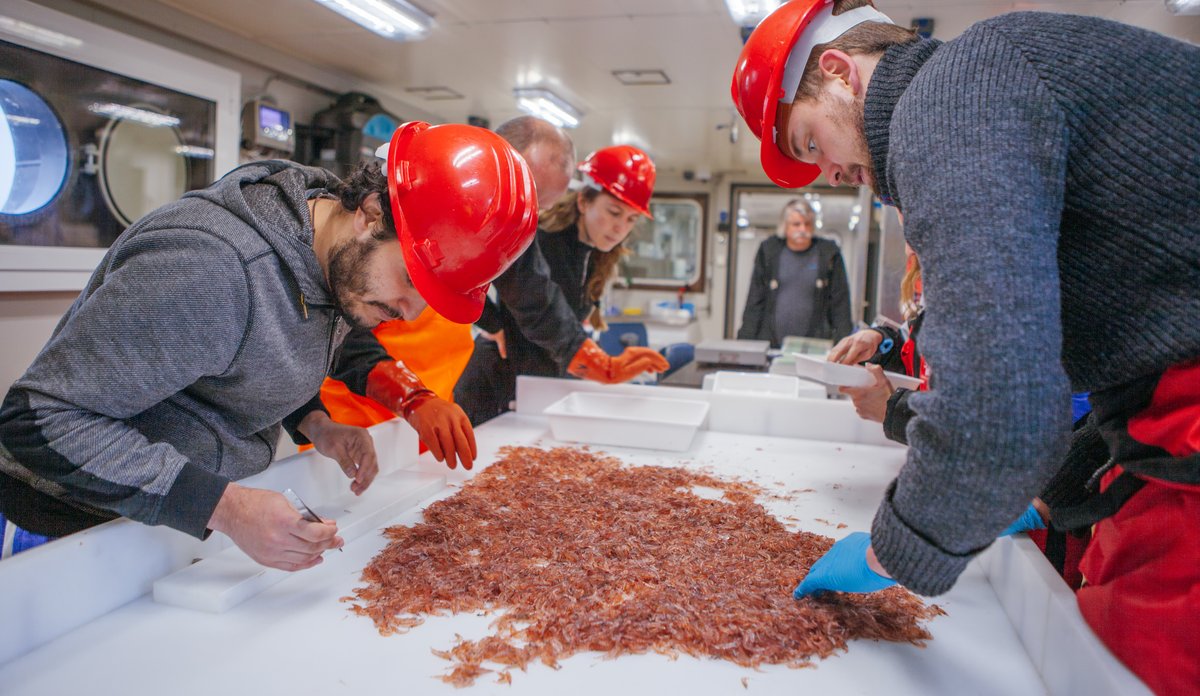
<point>628,421</point>
<point>756,383</point>
<point>839,375</point>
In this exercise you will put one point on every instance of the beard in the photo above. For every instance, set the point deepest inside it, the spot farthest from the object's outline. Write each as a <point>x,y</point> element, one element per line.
<point>851,118</point>
<point>348,277</point>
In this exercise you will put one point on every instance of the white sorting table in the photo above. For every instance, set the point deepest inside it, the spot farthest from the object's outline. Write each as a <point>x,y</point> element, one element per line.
<point>297,638</point>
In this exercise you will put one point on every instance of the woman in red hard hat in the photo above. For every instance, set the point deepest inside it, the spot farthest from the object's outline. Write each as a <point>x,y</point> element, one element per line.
<point>536,327</point>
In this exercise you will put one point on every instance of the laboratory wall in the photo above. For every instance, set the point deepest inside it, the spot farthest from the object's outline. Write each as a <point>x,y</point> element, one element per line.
<point>28,318</point>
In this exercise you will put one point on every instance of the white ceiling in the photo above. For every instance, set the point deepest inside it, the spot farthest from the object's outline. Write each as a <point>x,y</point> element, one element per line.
<point>482,49</point>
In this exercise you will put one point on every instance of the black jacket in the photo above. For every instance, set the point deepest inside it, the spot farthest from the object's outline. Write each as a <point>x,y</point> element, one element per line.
<point>541,308</point>
<point>542,303</point>
<point>831,301</point>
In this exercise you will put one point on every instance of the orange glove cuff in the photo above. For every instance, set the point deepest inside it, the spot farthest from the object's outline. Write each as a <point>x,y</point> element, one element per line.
<point>591,362</point>
<point>397,388</point>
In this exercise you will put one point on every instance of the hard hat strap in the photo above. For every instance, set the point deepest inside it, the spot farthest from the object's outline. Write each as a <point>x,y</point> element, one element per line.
<point>825,27</point>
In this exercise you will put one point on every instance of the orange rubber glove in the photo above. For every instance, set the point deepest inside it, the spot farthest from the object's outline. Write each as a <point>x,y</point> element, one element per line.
<point>441,425</point>
<point>591,362</point>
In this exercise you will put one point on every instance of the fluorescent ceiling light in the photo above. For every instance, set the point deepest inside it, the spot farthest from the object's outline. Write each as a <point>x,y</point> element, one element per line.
<point>547,105</point>
<point>8,25</point>
<point>748,13</point>
<point>392,19</point>
<point>128,113</point>
<point>1183,7</point>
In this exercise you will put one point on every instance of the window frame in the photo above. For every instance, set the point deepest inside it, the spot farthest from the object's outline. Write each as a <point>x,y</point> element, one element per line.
<point>698,283</point>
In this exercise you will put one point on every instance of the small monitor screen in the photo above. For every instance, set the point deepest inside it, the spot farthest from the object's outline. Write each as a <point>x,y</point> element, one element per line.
<point>272,118</point>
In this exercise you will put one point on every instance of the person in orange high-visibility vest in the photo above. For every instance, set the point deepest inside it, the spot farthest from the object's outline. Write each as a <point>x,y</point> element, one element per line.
<point>409,368</point>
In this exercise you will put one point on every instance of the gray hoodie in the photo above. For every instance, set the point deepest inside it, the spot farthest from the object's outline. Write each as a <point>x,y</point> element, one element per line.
<point>208,322</point>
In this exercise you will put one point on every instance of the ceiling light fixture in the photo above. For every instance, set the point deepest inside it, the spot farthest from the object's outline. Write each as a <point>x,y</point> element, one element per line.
<point>392,19</point>
<point>547,105</point>
<point>641,77</point>
<point>435,93</point>
<point>748,13</point>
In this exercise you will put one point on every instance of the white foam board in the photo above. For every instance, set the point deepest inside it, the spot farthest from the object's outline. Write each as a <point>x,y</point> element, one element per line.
<point>225,580</point>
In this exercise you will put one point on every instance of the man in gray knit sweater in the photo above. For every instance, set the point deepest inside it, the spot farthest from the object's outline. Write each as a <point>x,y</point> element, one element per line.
<point>213,319</point>
<point>1048,168</point>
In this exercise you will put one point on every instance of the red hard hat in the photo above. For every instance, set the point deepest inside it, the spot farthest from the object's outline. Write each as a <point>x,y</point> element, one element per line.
<point>624,171</point>
<point>769,70</point>
<point>465,209</point>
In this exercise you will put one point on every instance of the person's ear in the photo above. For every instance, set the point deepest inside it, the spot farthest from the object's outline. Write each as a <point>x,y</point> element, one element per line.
<point>368,216</point>
<point>580,202</point>
<point>839,70</point>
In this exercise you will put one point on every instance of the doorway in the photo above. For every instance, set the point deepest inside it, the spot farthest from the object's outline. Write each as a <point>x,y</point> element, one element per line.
<point>842,216</point>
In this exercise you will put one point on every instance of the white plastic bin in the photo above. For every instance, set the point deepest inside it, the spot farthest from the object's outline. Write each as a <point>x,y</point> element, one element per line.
<point>629,421</point>
<point>757,384</point>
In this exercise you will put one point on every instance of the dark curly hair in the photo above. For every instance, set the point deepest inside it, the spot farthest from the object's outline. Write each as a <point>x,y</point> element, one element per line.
<point>367,178</point>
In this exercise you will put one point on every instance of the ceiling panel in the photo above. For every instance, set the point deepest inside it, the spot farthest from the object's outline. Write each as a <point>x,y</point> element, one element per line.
<point>484,48</point>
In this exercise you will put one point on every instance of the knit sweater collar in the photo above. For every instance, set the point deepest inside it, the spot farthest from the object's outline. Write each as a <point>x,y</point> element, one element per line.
<point>896,69</point>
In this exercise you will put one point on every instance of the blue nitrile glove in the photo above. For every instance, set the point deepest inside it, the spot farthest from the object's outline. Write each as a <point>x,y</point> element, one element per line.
<point>1029,520</point>
<point>844,569</point>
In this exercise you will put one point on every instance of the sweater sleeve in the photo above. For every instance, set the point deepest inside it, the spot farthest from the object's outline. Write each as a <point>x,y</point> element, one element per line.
<point>890,359</point>
<point>166,308</point>
<point>538,306</point>
<point>979,161</point>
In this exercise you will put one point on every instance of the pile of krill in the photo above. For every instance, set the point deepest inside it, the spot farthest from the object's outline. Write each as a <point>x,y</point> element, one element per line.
<point>579,552</point>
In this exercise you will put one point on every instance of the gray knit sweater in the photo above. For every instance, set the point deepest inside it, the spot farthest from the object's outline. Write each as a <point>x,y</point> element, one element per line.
<point>208,323</point>
<point>1049,170</point>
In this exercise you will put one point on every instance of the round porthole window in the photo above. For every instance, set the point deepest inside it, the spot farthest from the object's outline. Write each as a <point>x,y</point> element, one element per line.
<point>142,163</point>
<point>33,151</point>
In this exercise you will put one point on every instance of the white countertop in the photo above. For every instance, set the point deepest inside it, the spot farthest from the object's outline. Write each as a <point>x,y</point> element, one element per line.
<point>297,637</point>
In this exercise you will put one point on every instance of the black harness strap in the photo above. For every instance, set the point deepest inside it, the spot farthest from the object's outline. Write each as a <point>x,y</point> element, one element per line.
<point>1098,507</point>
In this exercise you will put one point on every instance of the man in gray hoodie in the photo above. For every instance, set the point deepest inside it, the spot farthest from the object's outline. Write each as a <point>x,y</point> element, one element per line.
<point>212,321</point>
<point>1047,168</point>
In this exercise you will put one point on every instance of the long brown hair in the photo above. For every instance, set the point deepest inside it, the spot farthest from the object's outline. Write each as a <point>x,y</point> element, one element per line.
<point>910,302</point>
<point>602,266</point>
